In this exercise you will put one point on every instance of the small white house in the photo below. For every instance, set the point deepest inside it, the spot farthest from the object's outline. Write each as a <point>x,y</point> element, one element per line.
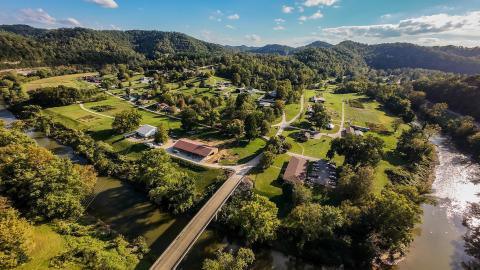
<point>330,126</point>
<point>146,131</point>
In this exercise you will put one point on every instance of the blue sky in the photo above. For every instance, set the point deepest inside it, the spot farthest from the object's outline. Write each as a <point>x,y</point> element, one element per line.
<point>260,22</point>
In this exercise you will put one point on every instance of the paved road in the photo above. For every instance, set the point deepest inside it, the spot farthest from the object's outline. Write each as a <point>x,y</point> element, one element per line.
<point>174,254</point>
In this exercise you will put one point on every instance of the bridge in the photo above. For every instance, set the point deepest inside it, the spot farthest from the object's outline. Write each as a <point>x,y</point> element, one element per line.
<point>180,246</point>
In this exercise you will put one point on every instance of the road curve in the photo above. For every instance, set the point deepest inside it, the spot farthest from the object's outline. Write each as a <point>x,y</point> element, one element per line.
<point>177,250</point>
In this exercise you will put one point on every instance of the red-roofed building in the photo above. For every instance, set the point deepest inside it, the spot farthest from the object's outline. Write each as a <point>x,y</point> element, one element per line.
<point>194,148</point>
<point>296,171</point>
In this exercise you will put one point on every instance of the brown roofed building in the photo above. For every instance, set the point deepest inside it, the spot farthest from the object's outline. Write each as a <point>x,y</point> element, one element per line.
<point>296,171</point>
<point>194,148</point>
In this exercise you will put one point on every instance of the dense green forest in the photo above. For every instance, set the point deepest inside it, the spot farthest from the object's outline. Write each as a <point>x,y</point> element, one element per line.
<point>27,46</point>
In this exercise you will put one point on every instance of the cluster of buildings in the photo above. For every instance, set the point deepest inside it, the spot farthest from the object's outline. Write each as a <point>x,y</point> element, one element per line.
<point>355,130</point>
<point>92,79</point>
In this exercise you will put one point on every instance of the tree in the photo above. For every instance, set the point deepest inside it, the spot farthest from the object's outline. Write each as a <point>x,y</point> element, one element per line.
<point>16,237</point>
<point>189,118</point>
<point>236,128</point>
<point>356,184</point>
<point>265,128</point>
<point>366,150</point>
<point>320,117</point>
<point>396,124</point>
<point>228,261</point>
<point>266,160</point>
<point>251,126</point>
<point>167,184</point>
<point>310,222</point>
<point>126,121</point>
<point>162,134</point>
<point>212,117</point>
<point>44,184</point>
<point>255,218</point>
<point>387,222</point>
<point>301,194</point>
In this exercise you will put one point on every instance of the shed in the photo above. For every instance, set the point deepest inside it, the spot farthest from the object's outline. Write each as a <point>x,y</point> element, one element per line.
<point>146,131</point>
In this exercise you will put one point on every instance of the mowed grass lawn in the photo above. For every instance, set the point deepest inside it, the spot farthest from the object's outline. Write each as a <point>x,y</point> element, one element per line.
<point>243,151</point>
<point>267,182</point>
<point>100,127</point>
<point>48,244</point>
<point>71,80</point>
<point>371,113</point>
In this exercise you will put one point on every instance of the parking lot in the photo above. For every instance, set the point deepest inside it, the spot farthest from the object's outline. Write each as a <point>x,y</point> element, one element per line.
<point>322,173</point>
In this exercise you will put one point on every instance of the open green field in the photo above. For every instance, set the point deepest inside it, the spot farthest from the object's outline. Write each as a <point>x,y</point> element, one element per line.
<point>48,244</point>
<point>267,182</point>
<point>72,80</point>
<point>243,151</point>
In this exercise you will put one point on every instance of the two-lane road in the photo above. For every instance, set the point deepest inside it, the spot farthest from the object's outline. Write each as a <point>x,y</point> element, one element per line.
<point>174,254</point>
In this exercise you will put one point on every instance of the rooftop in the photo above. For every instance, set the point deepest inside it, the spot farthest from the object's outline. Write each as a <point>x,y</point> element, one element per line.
<point>194,148</point>
<point>296,170</point>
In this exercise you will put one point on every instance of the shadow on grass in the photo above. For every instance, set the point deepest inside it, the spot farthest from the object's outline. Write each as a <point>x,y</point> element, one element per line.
<point>393,158</point>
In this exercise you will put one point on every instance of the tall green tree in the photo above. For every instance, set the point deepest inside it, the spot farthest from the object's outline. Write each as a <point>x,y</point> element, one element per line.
<point>228,261</point>
<point>16,237</point>
<point>126,121</point>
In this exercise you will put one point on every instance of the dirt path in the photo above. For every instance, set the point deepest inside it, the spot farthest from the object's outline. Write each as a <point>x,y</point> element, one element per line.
<point>96,113</point>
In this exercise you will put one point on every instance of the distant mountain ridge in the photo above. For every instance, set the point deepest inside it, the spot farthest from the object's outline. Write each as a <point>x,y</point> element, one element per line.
<point>33,46</point>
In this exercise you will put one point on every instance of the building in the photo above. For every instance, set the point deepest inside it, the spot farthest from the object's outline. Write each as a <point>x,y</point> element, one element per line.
<point>330,126</point>
<point>352,131</point>
<point>193,148</point>
<point>296,171</point>
<point>363,129</point>
<point>145,80</point>
<point>146,131</point>
<point>317,99</point>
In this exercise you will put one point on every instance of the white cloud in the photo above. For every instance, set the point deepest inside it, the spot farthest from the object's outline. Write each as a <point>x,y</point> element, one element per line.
<point>105,3</point>
<point>230,26</point>
<point>234,17</point>
<point>386,16</point>
<point>278,28</point>
<point>287,9</point>
<point>315,16</point>
<point>437,29</point>
<point>36,16</point>
<point>301,9</point>
<point>279,20</point>
<point>70,21</point>
<point>313,3</point>
<point>253,38</point>
<point>42,18</point>
<point>439,23</point>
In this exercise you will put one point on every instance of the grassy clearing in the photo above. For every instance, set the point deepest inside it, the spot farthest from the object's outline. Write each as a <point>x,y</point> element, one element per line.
<point>243,151</point>
<point>72,80</point>
<point>48,244</point>
<point>267,183</point>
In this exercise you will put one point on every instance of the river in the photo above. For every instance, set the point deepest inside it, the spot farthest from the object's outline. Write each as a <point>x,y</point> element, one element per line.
<point>118,204</point>
<point>438,244</point>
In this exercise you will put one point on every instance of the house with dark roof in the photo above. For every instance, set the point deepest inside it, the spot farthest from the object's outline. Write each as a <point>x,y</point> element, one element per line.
<point>195,149</point>
<point>296,171</point>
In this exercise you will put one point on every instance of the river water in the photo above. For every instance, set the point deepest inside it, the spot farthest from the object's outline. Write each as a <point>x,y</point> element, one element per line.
<point>119,204</point>
<point>438,244</point>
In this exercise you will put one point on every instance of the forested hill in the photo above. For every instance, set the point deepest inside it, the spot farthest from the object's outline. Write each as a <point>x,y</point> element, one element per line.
<point>34,46</point>
<point>28,46</point>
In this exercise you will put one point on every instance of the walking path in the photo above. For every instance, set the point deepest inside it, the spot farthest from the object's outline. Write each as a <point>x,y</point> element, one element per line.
<point>96,113</point>
<point>284,124</point>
